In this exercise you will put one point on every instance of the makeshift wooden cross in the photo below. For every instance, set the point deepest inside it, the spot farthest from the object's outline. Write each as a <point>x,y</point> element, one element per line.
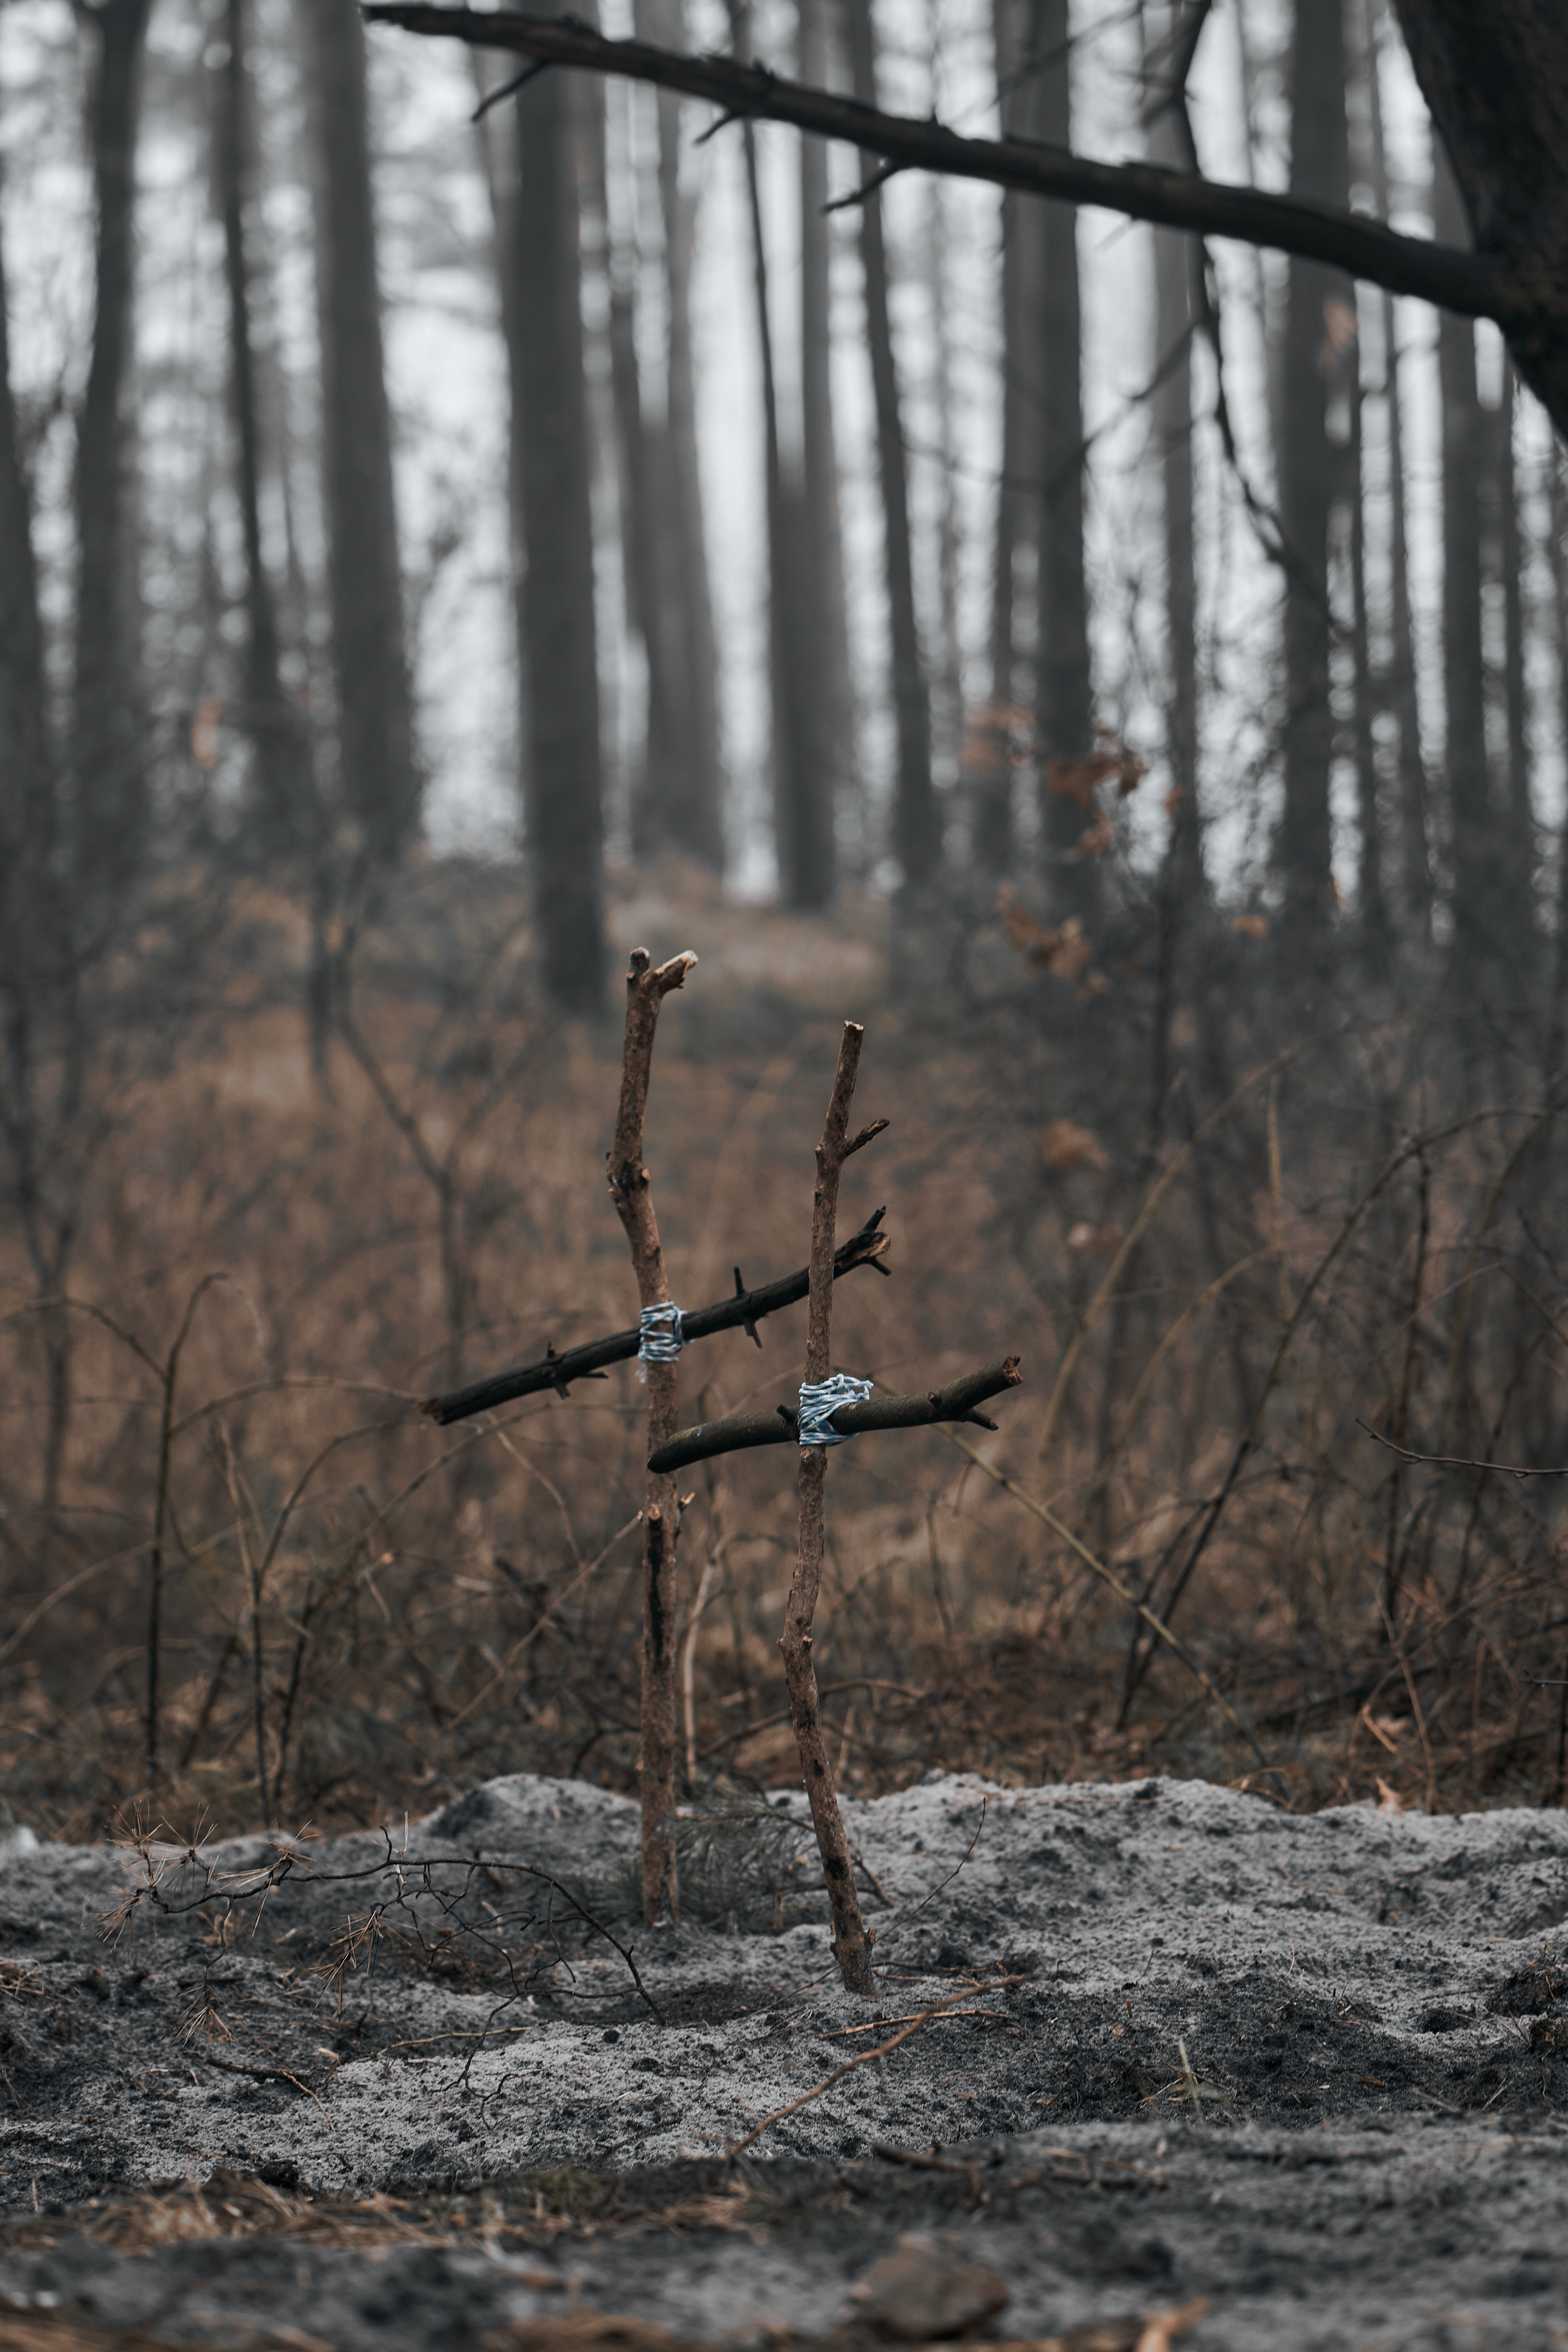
<point>671,1450</point>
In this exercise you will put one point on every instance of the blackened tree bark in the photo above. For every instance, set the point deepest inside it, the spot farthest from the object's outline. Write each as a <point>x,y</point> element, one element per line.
<point>803,805</point>
<point>282,801</point>
<point>1181,872</point>
<point>991,759</point>
<point>1519,847</point>
<point>1320,170</point>
<point>551,463</point>
<point>375,710</point>
<point>680,803</point>
<point>1473,828</point>
<point>828,710</point>
<point>28,780</point>
<point>1399,685</point>
<point>917,825</point>
<point>1373,910</point>
<point>108,753</point>
<point>1063,692</point>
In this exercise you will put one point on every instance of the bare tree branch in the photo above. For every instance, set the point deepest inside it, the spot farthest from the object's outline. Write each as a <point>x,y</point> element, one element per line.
<point>1476,284</point>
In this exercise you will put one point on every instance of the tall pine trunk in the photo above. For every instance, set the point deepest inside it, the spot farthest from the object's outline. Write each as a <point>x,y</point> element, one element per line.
<point>107,752</point>
<point>802,803</point>
<point>281,803</point>
<point>828,709</point>
<point>917,829</point>
<point>1320,170</point>
<point>1481,926</point>
<point>1519,847</point>
<point>1181,870</point>
<point>379,773</point>
<point>1064,693</point>
<point>552,468</point>
<point>1399,685</point>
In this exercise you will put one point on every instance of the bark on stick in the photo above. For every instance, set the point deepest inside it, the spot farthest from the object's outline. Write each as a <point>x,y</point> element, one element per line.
<point>851,1942</point>
<point>647,985</point>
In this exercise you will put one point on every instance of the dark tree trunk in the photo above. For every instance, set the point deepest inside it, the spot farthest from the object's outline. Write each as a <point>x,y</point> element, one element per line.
<point>1320,169</point>
<point>29,780</point>
<point>991,757</point>
<point>827,710</point>
<point>375,717</point>
<point>1495,79</point>
<point>1473,829</point>
<point>108,753</point>
<point>803,806</point>
<point>686,781</point>
<point>1064,693</point>
<point>1181,871</point>
<point>1519,852</point>
<point>1399,685</point>
<point>917,827</point>
<point>1373,907</point>
<point>552,466</point>
<point>281,801</point>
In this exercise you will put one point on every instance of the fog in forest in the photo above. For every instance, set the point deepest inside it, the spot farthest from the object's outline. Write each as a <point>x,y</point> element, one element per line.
<point>459,524</point>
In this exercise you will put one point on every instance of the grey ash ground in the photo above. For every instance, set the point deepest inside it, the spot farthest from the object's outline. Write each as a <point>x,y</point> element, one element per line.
<point>1365,2144</point>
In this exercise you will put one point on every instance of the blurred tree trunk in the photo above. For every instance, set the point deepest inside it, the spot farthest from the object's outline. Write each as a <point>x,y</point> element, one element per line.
<point>697,817</point>
<point>829,710</point>
<point>551,460</point>
<point>107,753</point>
<point>1063,692</point>
<point>1309,467</point>
<point>1477,941</point>
<point>991,754</point>
<point>1557,545</point>
<point>1181,872</point>
<point>270,717</point>
<point>29,779</point>
<point>38,968</point>
<point>803,806</point>
<point>1399,684</point>
<point>1376,939</point>
<point>679,804</point>
<point>917,827</point>
<point>1520,850</point>
<point>375,712</point>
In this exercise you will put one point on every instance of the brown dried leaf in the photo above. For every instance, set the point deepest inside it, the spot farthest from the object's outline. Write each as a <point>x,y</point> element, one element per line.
<point>205,730</point>
<point>1065,1146</point>
<point>1252,926</point>
<point>1100,836</point>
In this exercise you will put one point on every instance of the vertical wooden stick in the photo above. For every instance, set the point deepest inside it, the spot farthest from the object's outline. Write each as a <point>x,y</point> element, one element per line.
<point>851,1942</point>
<point>630,1189</point>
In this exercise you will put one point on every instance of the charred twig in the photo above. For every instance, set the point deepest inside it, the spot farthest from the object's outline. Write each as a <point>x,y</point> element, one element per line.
<point>957,1401</point>
<point>743,1312</point>
<point>869,2057</point>
<point>631,1189</point>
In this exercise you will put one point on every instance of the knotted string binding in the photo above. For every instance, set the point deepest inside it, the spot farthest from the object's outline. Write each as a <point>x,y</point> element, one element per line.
<point>820,1399</point>
<point>662,1338</point>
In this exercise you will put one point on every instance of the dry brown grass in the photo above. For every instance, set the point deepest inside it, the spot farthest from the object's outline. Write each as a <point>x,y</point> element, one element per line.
<point>437,1606</point>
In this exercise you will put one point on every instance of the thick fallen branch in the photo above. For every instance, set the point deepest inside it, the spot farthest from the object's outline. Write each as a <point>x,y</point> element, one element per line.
<point>957,1401</point>
<point>742,1313</point>
<point>1474,284</point>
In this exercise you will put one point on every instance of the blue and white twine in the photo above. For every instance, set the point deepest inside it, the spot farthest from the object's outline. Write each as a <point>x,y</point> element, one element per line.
<point>820,1399</point>
<point>662,1338</point>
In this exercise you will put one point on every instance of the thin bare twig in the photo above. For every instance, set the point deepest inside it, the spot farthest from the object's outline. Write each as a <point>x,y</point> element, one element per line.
<point>870,2058</point>
<point>1461,1461</point>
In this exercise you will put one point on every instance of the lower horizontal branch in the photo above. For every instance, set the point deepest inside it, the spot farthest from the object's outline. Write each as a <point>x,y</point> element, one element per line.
<point>957,1401</point>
